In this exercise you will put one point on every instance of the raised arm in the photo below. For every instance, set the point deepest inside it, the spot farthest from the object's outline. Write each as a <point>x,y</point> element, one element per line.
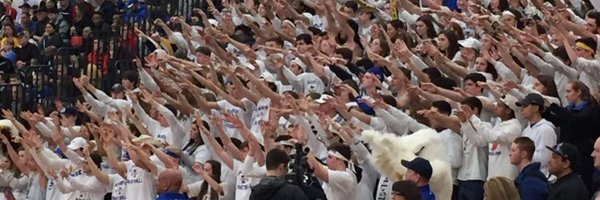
<point>214,145</point>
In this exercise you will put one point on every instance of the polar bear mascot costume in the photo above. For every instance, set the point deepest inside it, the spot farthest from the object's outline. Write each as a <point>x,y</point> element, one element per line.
<point>389,149</point>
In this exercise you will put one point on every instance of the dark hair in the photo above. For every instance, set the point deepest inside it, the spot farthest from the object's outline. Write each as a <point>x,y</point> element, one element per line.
<point>306,38</point>
<point>132,76</point>
<point>291,93</point>
<point>549,84</point>
<point>585,91</point>
<point>525,144</point>
<point>502,6</point>
<point>407,189</point>
<point>428,21</point>
<point>315,30</point>
<point>453,46</point>
<point>204,50</point>
<point>596,16</point>
<point>342,149</point>
<point>276,157</point>
<point>216,175</point>
<point>283,138</point>
<point>389,100</point>
<point>561,53</point>
<point>457,30</point>
<point>397,24</point>
<point>473,102</point>
<point>194,143</point>
<point>96,158</point>
<point>345,52</point>
<point>443,107</point>
<point>475,77</point>
<point>352,5</point>
<point>491,70</point>
<point>589,41</point>
<point>277,40</point>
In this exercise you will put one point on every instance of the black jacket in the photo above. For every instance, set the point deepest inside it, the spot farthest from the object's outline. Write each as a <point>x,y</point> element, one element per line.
<point>276,188</point>
<point>569,187</point>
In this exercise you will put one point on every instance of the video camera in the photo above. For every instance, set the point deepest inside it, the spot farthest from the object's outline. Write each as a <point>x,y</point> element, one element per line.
<point>301,174</point>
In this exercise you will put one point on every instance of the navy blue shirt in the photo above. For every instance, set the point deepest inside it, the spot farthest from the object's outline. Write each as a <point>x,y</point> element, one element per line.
<point>426,193</point>
<point>172,196</point>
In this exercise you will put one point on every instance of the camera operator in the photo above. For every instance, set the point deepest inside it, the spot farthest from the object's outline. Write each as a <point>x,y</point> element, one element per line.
<point>275,186</point>
<point>339,182</point>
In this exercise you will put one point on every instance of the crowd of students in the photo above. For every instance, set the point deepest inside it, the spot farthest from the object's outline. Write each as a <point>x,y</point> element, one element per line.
<point>216,107</point>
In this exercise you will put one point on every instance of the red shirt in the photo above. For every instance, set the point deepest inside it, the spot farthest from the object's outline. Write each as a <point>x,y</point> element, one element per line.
<point>11,12</point>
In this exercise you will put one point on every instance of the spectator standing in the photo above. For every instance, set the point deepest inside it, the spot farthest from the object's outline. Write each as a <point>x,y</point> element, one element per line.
<point>8,9</point>
<point>569,185</point>
<point>169,184</point>
<point>531,182</point>
<point>275,186</point>
<point>577,122</point>
<point>538,129</point>
<point>419,171</point>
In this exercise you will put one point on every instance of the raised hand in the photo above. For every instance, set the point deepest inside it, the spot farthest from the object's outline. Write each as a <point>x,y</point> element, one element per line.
<point>234,120</point>
<point>7,114</point>
<point>465,113</point>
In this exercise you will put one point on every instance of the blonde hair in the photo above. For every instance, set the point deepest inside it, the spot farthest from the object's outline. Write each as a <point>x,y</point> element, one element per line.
<point>500,188</point>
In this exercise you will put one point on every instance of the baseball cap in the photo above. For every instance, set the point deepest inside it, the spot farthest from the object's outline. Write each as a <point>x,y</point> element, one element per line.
<point>77,143</point>
<point>511,102</point>
<point>25,5</point>
<point>71,111</point>
<point>146,139</point>
<point>531,98</point>
<point>298,62</point>
<point>567,151</point>
<point>117,87</point>
<point>419,165</point>
<point>324,98</point>
<point>377,72</point>
<point>267,77</point>
<point>470,43</point>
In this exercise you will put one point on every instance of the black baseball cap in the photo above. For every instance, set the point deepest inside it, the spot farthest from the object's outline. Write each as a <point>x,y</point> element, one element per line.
<point>531,98</point>
<point>419,165</point>
<point>25,5</point>
<point>567,151</point>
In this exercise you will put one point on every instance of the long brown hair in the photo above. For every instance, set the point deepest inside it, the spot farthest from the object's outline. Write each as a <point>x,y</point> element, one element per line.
<point>216,175</point>
<point>585,91</point>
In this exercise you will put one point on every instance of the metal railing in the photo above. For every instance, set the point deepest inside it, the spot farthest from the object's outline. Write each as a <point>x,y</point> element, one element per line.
<point>103,58</point>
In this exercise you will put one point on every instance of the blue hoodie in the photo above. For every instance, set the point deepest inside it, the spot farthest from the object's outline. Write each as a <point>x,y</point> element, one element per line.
<point>532,183</point>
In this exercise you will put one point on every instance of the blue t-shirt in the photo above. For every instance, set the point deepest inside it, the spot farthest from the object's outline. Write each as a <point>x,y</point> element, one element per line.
<point>426,193</point>
<point>172,196</point>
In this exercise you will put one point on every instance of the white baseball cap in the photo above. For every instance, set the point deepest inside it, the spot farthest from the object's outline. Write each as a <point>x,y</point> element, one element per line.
<point>323,98</point>
<point>470,43</point>
<point>267,77</point>
<point>77,143</point>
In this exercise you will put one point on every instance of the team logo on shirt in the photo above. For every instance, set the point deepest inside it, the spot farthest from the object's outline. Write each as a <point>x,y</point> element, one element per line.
<point>133,173</point>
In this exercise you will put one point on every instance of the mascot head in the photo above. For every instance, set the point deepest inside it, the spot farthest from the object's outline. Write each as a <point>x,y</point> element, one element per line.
<point>388,150</point>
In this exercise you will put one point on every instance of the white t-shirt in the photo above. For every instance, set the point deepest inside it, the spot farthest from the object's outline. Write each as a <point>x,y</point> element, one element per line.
<point>140,183</point>
<point>34,190</point>
<point>52,191</point>
<point>118,185</point>
<point>342,185</point>
<point>243,183</point>
<point>87,187</point>
<point>194,190</point>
